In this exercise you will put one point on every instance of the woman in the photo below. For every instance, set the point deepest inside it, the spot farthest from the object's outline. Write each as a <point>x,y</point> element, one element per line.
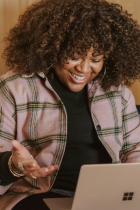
<point>65,100</point>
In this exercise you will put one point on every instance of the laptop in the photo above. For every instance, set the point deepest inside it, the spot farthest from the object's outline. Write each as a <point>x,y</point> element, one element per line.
<point>103,187</point>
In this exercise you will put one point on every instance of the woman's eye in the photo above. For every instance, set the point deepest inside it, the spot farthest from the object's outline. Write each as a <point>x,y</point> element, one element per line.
<point>95,61</point>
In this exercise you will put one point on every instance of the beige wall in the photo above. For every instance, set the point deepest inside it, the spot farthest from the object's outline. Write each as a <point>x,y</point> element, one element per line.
<point>11,9</point>
<point>9,13</point>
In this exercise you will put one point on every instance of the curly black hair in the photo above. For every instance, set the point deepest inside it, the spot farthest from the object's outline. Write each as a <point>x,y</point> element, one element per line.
<point>51,31</point>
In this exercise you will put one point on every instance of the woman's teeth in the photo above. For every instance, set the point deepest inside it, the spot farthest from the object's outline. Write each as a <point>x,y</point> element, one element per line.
<point>77,77</point>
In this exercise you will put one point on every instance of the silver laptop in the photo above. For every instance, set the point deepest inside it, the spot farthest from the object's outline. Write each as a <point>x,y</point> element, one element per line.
<point>103,187</point>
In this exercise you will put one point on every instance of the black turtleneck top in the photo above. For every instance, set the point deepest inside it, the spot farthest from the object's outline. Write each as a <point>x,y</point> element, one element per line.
<point>83,145</point>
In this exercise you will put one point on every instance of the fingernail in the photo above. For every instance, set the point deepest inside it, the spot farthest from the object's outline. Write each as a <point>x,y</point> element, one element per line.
<point>46,170</point>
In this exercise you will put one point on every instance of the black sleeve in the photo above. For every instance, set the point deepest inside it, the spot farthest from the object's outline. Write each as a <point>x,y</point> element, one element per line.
<point>6,177</point>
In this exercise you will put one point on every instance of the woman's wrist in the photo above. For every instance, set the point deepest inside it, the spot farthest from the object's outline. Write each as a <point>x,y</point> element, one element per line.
<point>12,168</point>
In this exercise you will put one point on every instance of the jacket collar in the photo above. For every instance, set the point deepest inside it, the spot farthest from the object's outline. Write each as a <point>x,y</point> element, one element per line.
<point>41,74</point>
<point>92,86</point>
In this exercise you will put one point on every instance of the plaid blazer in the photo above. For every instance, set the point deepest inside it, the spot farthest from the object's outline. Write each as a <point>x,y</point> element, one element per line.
<point>33,113</point>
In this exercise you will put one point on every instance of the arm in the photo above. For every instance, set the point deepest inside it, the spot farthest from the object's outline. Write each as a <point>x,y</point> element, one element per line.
<point>130,152</point>
<point>8,146</point>
<point>7,133</point>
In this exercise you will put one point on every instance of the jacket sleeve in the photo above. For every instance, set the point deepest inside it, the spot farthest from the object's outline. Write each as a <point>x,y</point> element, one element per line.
<point>6,177</point>
<point>7,133</point>
<point>130,151</point>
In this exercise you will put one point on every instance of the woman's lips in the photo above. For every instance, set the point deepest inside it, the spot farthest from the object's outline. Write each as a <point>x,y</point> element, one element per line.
<point>77,79</point>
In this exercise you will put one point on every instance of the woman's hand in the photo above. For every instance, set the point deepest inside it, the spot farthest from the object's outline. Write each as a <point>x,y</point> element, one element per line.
<point>31,168</point>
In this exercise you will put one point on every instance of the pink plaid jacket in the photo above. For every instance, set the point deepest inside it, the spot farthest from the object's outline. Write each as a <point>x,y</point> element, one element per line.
<point>32,113</point>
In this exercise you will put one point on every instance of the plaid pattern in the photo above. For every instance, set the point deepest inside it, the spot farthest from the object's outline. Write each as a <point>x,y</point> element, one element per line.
<point>32,113</point>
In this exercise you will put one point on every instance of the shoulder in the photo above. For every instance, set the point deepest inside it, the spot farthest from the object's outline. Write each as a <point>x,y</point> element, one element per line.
<point>123,91</point>
<point>9,76</point>
<point>14,80</point>
<point>127,96</point>
<point>12,76</point>
<point>16,87</point>
<point>121,95</point>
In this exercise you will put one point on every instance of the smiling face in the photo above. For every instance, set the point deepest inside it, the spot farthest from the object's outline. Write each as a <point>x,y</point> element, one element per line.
<point>76,73</point>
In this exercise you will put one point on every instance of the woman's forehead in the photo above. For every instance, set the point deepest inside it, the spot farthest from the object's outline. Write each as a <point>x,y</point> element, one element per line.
<point>91,50</point>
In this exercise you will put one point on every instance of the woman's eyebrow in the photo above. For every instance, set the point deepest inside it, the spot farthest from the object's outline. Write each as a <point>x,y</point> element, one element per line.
<point>97,56</point>
<point>95,53</point>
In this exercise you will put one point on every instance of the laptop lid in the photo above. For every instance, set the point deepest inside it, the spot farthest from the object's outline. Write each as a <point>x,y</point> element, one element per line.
<point>107,187</point>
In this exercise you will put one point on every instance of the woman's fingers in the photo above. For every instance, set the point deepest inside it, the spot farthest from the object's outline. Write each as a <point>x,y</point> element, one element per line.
<point>21,157</point>
<point>26,164</point>
<point>30,165</point>
<point>31,168</point>
<point>43,172</point>
<point>20,150</point>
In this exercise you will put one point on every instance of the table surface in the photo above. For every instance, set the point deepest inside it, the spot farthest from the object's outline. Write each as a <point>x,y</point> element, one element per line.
<point>35,202</point>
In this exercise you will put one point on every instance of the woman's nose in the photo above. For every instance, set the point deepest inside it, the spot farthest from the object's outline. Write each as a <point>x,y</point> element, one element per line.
<point>83,66</point>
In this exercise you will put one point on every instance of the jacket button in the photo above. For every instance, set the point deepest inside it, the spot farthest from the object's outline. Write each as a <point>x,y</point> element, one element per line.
<point>98,127</point>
